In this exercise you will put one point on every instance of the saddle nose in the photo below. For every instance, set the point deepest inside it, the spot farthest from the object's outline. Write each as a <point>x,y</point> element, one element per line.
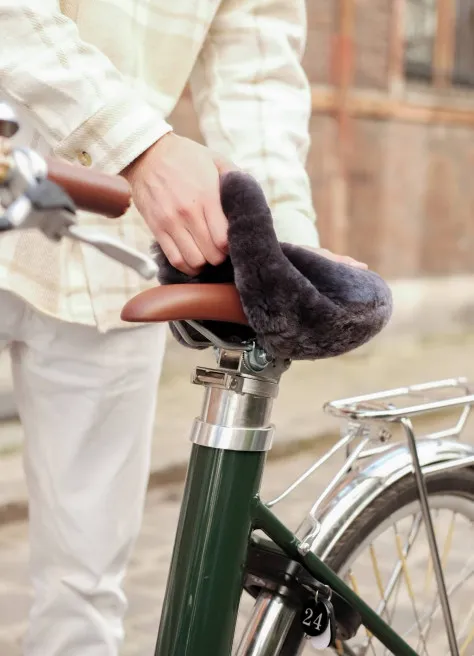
<point>201,302</point>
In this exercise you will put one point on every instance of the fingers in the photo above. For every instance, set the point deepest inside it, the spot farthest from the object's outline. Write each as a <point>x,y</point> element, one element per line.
<point>345,259</point>
<point>196,239</point>
<point>190,245</point>
<point>184,255</point>
<point>216,222</point>
<point>196,232</point>
<point>209,230</point>
<point>199,233</point>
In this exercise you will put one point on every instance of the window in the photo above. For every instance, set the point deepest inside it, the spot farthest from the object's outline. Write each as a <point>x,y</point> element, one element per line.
<point>463,70</point>
<point>423,35</point>
<point>420,35</point>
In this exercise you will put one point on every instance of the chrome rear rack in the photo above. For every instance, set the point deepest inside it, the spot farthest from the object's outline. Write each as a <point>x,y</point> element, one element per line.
<point>359,441</point>
<point>382,406</point>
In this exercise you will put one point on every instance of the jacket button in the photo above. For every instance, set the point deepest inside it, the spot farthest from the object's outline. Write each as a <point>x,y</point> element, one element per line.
<point>84,158</point>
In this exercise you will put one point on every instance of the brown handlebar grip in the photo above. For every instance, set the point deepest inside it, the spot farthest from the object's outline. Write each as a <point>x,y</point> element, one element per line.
<point>92,191</point>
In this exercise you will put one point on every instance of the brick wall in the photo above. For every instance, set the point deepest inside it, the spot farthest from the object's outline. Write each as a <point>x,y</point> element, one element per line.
<point>372,24</point>
<point>411,195</point>
<point>322,23</point>
<point>410,190</point>
<point>372,35</point>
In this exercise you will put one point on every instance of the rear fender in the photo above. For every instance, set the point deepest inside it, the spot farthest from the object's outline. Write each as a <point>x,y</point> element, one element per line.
<point>360,487</point>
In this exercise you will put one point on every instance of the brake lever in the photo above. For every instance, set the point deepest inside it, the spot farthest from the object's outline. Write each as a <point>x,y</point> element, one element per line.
<point>46,207</point>
<point>43,206</point>
<point>129,257</point>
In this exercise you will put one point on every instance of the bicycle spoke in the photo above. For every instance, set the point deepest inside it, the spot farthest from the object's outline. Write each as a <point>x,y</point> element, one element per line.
<point>396,573</point>
<point>394,584</point>
<point>451,591</point>
<point>446,547</point>
<point>375,566</point>
<point>406,576</point>
<point>398,587</point>
<point>467,642</point>
<point>469,622</point>
<point>368,642</point>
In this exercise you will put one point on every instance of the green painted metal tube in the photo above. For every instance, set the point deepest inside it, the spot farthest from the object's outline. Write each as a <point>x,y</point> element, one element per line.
<point>286,540</point>
<point>205,580</point>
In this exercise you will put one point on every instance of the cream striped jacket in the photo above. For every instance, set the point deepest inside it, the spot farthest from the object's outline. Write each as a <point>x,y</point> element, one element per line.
<point>94,82</point>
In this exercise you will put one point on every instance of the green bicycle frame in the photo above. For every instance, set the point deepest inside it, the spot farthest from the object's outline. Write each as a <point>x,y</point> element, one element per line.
<point>220,508</point>
<point>205,583</point>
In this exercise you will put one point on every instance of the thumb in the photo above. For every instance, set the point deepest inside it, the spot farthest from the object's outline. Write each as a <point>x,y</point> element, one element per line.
<point>223,164</point>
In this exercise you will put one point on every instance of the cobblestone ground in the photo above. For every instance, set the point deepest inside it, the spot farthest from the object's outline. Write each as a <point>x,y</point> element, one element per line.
<point>148,570</point>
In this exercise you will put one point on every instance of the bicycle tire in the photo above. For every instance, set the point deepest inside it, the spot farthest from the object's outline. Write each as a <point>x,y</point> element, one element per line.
<point>399,495</point>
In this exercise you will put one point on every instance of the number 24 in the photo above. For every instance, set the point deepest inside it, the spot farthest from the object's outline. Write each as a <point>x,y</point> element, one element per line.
<point>308,620</point>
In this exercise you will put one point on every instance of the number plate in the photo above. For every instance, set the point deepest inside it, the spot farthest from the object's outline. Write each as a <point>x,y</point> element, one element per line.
<point>315,617</point>
<point>318,622</point>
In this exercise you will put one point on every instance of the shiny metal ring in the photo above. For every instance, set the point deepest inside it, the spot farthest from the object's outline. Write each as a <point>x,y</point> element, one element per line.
<point>232,439</point>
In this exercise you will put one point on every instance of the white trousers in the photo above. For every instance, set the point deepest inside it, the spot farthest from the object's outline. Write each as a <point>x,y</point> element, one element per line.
<point>87,405</point>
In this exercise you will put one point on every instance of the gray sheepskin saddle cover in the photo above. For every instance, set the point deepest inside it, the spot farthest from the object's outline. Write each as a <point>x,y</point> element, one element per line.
<point>299,305</point>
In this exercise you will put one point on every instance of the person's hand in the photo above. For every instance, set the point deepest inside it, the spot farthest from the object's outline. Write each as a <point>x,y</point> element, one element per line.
<point>175,187</point>
<point>345,259</point>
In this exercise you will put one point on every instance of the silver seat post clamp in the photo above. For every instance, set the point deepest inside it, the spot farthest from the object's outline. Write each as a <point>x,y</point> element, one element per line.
<point>238,398</point>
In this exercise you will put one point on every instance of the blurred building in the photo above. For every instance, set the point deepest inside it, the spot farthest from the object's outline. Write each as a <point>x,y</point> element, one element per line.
<point>392,161</point>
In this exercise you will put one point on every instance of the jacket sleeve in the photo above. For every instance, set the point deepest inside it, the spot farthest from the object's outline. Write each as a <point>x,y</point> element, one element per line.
<point>254,104</point>
<point>75,97</point>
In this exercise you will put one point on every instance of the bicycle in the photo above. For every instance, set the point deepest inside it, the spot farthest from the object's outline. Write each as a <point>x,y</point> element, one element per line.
<point>303,583</point>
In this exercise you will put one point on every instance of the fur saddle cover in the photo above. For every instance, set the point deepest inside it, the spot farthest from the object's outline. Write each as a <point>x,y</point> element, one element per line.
<point>299,305</point>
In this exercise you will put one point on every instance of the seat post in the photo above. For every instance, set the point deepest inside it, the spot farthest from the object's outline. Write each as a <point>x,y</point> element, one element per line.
<point>230,439</point>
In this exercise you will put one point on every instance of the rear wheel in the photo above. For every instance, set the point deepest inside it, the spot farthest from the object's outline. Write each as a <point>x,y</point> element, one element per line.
<point>384,556</point>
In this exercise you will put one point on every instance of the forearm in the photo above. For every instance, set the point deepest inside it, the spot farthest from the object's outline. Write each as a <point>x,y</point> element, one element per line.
<point>76,98</point>
<point>253,101</point>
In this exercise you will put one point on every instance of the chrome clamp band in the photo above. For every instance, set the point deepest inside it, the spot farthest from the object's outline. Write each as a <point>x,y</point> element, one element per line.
<point>235,382</point>
<point>232,439</point>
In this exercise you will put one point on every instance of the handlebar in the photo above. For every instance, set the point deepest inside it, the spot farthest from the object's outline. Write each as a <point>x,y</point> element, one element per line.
<point>90,190</point>
<point>44,194</point>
